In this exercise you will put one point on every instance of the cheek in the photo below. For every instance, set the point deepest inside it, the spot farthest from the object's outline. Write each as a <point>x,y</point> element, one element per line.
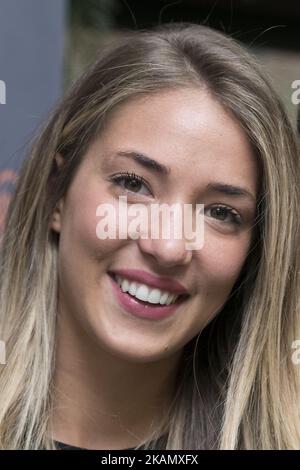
<point>82,224</point>
<point>83,257</point>
<point>221,263</point>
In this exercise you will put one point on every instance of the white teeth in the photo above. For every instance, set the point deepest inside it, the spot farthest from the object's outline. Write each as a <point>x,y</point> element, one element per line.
<point>170,299</point>
<point>164,298</point>
<point>146,293</point>
<point>132,288</point>
<point>142,293</point>
<point>154,296</point>
<point>124,285</point>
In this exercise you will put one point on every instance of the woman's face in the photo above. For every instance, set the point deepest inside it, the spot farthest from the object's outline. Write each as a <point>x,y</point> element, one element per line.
<point>189,132</point>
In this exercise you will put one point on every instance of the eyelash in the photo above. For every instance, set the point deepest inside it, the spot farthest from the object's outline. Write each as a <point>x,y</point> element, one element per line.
<point>235,217</point>
<point>128,176</point>
<point>116,179</point>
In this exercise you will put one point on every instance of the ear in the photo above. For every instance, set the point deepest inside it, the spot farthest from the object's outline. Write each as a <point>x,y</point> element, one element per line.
<point>56,220</point>
<point>59,159</point>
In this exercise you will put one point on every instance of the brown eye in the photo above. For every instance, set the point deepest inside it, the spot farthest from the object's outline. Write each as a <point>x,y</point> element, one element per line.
<point>225,214</point>
<point>131,182</point>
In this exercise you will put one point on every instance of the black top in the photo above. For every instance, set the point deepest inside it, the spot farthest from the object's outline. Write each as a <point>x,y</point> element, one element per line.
<point>62,446</point>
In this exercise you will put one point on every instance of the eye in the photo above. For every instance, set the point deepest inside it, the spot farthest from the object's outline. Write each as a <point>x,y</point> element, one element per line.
<point>225,214</point>
<point>130,182</point>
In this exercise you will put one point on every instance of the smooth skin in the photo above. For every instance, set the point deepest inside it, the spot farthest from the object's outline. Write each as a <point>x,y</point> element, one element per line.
<point>115,372</point>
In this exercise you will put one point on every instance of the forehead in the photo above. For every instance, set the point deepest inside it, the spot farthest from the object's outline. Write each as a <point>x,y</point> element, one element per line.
<point>187,130</point>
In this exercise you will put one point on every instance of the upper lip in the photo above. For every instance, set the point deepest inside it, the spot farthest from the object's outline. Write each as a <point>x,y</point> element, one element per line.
<point>143,277</point>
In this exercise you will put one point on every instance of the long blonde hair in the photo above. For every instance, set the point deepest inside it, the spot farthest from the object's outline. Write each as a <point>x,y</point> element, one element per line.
<point>237,386</point>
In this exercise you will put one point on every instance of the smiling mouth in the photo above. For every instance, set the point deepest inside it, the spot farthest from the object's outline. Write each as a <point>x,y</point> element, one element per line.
<point>181,298</point>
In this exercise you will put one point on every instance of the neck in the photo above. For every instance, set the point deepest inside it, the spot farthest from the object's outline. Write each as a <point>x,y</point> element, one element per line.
<point>102,401</point>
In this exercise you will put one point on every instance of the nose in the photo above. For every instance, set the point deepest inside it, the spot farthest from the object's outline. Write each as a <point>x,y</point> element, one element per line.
<point>168,238</point>
<point>167,252</point>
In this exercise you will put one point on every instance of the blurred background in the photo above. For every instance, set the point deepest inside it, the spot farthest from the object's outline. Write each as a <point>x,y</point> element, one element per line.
<point>45,45</point>
<point>270,28</point>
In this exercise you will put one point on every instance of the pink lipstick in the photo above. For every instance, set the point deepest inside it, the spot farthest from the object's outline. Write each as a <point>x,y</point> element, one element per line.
<point>142,308</point>
<point>143,277</point>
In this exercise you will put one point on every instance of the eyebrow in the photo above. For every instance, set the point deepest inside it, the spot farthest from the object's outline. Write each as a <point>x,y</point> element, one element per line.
<point>145,161</point>
<point>230,190</point>
<point>217,187</point>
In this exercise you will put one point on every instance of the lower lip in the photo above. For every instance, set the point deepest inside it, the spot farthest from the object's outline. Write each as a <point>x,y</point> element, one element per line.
<point>143,310</point>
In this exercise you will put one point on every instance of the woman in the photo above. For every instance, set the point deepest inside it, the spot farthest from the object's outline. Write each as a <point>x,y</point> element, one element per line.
<point>177,114</point>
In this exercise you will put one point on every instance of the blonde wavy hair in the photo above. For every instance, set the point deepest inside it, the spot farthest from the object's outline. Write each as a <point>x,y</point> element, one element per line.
<point>237,385</point>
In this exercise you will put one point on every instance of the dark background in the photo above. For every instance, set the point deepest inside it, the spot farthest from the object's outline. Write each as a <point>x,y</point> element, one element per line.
<point>276,23</point>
